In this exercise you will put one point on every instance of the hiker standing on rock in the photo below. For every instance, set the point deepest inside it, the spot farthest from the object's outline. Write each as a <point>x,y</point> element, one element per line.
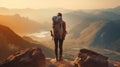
<point>58,33</point>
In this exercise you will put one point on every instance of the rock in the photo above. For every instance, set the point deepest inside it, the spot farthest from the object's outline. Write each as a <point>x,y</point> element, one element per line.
<point>111,64</point>
<point>117,64</point>
<point>88,58</point>
<point>31,57</point>
<point>53,63</point>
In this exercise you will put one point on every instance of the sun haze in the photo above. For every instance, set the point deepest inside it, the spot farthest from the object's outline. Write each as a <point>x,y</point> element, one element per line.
<point>67,4</point>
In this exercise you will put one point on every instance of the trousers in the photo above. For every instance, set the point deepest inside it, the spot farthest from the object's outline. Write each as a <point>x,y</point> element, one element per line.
<point>58,43</point>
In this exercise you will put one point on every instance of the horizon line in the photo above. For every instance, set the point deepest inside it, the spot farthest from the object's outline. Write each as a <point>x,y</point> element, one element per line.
<point>59,8</point>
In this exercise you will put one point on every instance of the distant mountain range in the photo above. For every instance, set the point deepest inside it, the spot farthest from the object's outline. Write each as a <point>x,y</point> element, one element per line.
<point>22,25</point>
<point>41,15</point>
<point>28,20</point>
<point>96,28</point>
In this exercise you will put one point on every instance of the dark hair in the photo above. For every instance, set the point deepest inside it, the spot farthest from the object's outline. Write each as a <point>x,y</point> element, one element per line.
<point>59,14</point>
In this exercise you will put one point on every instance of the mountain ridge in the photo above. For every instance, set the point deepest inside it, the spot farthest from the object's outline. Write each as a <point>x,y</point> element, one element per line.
<point>10,42</point>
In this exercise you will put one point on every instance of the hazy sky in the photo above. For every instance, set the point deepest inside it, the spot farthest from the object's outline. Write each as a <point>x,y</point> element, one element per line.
<point>69,4</point>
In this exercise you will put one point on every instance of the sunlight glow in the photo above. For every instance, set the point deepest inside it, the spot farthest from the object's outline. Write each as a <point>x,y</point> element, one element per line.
<point>41,34</point>
<point>67,4</point>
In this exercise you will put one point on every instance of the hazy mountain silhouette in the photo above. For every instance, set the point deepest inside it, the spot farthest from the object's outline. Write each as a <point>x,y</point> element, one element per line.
<point>92,15</point>
<point>22,25</point>
<point>41,15</point>
<point>114,10</point>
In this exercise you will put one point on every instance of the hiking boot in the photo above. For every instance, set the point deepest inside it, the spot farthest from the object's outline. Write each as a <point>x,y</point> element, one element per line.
<point>57,59</point>
<point>60,58</point>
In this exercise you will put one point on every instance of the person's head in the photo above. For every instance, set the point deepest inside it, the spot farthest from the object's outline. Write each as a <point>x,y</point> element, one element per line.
<point>59,14</point>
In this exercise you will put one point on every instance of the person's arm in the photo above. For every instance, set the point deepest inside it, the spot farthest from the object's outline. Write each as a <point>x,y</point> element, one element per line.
<point>53,25</point>
<point>64,25</point>
<point>53,20</point>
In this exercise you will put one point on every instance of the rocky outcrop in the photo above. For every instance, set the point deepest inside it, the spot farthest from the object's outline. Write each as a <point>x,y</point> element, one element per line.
<point>31,57</point>
<point>88,58</point>
<point>117,64</point>
<point>64,63</point>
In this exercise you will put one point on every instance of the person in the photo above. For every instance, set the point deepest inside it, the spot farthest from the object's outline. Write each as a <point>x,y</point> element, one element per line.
<point>58,34</point>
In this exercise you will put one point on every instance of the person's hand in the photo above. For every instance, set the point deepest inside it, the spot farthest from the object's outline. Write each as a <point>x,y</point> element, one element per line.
<point>66,32</point>
<point>51,32</point>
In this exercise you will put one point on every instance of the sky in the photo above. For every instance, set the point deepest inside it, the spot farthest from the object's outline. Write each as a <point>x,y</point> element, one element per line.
<point>67,4</point>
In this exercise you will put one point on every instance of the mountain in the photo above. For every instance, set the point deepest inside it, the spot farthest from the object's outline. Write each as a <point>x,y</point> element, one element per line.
<point>80,16</point>
<point>108,36</point>
<point>104,34</point>
<point>81,19</point>
<point>42,15</point>
<point>114,10</point>
<point>97,29</point>
<point>10,42</point>
<point>46,50</point>
<point>22,25</point>
<point>36,20</point>
<point>88,34</point>
<point>86,25</point>
<point>30,20</point>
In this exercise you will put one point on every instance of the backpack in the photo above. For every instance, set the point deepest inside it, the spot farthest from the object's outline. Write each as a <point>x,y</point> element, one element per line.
<point>57,30</point>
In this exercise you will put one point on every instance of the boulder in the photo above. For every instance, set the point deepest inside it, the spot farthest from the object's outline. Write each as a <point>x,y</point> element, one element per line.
<point>30,57</point>
<point>88,58</point>
<point>117,64</point>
